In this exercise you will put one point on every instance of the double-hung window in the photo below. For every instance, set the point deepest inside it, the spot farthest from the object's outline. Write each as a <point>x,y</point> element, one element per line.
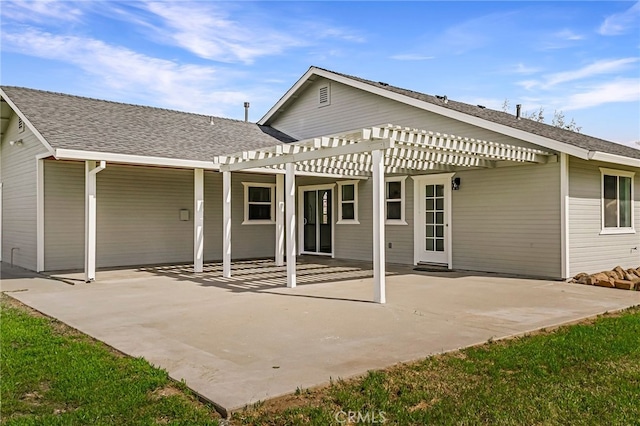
<point>617,201</point>
<point>259,203</point>
<point>395,200</point>
<point>348,202</point>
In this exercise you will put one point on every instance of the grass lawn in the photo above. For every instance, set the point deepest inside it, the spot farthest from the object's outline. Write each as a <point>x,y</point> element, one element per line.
<point>54,375</point>
<point>582,374</point>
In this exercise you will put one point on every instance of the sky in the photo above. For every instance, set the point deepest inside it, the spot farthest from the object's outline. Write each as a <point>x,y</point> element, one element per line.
<point>578,57</point>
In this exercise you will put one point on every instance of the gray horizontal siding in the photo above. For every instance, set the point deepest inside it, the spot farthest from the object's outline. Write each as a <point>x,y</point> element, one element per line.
<point>508,220</point>
<point>138,216</point>
<point>588,250</point>
<point>352,108</point>
<point>19,194</point>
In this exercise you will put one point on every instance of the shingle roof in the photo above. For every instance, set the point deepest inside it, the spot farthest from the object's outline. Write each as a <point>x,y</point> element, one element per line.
<point>86,124</point>
<point>566,136</point>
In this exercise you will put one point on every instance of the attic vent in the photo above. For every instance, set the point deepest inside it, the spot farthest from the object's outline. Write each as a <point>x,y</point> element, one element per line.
<point>324,95</point>
<point>20,125</point>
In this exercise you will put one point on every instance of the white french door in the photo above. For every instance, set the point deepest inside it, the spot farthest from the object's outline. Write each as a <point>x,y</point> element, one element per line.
<point>432,219</point>
<point>316,226</point>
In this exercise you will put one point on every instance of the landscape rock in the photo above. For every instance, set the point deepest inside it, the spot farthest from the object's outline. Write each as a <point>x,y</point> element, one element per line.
<point>625,285</point>
<point>605,283</point>
<point>619,271</point>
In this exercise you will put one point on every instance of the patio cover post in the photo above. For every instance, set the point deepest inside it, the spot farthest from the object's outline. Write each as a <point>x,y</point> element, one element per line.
<point>280,220</point>
<point>198,220</point>
<point>90,206</point>
<point>226,224</point>
<point>290,201</point>
<point>379,291</point>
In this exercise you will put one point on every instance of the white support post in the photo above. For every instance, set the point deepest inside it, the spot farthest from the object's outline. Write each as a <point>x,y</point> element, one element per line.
<point>379,293</point>
<point>290,201</point>
<point>280,228</point>
<point>564,215</point>
<point>198,220</point>
<point>226,224</point>
<point>90,210</point>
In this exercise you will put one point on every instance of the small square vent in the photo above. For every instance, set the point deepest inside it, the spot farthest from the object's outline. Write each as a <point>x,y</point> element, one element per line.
<point>20,125</point>
<point>324,95</point>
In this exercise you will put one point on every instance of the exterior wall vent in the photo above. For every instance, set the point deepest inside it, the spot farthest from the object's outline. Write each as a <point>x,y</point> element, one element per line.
<point>324,95</point>
<point>20,125</point>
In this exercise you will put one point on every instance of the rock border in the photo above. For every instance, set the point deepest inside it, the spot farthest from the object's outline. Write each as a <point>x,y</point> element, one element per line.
<point>624,279</point>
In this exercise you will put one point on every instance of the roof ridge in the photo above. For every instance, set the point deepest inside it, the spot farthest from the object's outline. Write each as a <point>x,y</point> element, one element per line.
<point>124,103</point>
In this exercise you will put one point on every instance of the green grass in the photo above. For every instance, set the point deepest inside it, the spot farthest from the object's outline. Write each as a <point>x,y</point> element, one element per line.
<point>586,374</point>
<point>51,374</point>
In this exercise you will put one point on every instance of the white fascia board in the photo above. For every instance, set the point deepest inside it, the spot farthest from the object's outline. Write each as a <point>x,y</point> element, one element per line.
<point>25,120</point>
<point>72,154</point>
<point>456,115</point>
<point>613,158</point>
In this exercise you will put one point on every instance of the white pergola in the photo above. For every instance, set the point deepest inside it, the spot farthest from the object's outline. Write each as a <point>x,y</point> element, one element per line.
<point>368,152</point>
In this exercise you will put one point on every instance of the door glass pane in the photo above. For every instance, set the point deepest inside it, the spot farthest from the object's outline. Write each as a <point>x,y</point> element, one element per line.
<point>440,218</point>
<point>430,217</point>
<point>430,204</point>
<point>625,201</point>
<point>430,231</point>
<point>325,208</point>
<point>259,194</point>
<point>440,245</point>
<point>430,244</point>
<point>430,191</point>
<point>439,203</point>
<point>394,210</point>
<point>310,221</point>
<point>434,218</point>
<point>440,231</point>
<point>439,190</point>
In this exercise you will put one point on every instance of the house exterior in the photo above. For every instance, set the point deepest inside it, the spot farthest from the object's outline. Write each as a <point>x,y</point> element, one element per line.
<point>89,183</point>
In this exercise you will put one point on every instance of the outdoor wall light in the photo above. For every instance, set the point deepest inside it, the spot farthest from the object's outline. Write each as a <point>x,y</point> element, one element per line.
<point>455,183</point>
<point>16,143</point>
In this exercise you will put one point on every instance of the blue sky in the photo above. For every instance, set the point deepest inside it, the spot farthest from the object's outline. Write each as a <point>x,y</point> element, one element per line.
<point>581,57</point>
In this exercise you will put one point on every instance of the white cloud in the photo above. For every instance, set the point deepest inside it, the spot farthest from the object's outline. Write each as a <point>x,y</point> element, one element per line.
<point>42,11</point>
<point>620,23</point>
<point>568,35</point>
<point>620,90</point>
<point>521,68</point>
<point>607,66</point>
<point>411,57</point>
<point>124,72</point>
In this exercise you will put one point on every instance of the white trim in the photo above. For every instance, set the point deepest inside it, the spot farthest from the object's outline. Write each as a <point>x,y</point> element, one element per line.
<point>91,171</point>
<point>72,154</point>
<point>272,202</point>
<point>340,220</point>
<point>39,215</point>
<point>379,261</point>
<point>290,207</point>
<point>1,239</point>
<point>616,229</point>
<point>465,118</point>
<point>564,216</point>
<point>301,191</point>
<point>226,224</point>
<point>613,158</point>
<point>418,220</point>
<point>198,220</point>
<point>27,122</point>
<point>403,198</point>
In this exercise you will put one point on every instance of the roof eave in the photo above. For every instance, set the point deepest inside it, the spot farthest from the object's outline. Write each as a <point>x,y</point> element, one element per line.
<point>72,154</point>
<point>613,158</point>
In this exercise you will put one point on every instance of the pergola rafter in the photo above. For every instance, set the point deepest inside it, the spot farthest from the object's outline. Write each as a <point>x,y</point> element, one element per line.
<point>369,152</point>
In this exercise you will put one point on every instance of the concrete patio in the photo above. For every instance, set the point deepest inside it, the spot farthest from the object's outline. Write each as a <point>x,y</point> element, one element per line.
<point>247,338</point>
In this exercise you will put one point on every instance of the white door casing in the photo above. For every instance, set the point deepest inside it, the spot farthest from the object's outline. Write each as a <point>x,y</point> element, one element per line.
<point>432,219</point>
<point>301,191</point>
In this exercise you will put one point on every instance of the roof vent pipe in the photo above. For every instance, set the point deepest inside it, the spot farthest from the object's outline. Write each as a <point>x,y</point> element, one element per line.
<point>246,111</point>
<point>518,109</point>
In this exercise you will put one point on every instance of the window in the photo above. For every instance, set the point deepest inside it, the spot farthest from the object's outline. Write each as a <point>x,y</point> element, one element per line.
<point>259,203</point>
<point>617,201</point>
<point>348,202</point>
<point>394,200</point>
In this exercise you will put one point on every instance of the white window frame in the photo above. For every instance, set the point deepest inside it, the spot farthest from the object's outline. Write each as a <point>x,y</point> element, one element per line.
<point>248,221</point>
<point>403,198</point>
<point>618,229</point>
<point>355,220</point>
